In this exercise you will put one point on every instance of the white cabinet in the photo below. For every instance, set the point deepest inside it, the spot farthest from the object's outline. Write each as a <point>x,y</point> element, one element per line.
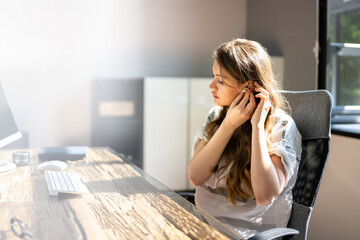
<point>174,109</point>
<point>201,101</point>
<point>165,130</point>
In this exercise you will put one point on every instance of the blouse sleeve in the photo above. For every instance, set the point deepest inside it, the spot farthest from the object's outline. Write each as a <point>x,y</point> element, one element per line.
<point>286,143</point>
<point>201,134</point>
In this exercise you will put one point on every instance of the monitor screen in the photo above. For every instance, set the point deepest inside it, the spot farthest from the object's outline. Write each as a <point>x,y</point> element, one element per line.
<point>8,128</point>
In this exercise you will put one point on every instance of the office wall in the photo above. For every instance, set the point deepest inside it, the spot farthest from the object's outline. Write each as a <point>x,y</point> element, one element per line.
<point>52,50</point>
<point>287,28</point>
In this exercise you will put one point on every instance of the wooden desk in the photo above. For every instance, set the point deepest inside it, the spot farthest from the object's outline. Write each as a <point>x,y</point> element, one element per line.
<point>124,203</point>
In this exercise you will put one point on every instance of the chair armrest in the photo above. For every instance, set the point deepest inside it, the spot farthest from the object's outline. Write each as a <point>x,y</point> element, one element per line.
<point>275,233</point>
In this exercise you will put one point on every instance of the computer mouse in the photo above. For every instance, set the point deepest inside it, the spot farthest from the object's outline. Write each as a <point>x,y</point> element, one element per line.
<point>54,165</point>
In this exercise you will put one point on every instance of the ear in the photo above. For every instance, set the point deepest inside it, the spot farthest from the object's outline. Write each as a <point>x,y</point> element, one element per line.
<point>250,85</point>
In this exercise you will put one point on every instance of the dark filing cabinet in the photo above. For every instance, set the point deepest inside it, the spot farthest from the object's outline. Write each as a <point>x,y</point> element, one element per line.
<point>117,116</point>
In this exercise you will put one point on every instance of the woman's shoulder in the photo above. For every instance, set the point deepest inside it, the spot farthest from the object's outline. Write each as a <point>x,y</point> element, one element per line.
<point>281,117</point>
<point>213,113</point>
<point>280,114</point>
<point>284,122</point>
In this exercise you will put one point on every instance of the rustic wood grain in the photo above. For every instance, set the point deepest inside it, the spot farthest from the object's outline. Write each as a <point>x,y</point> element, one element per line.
<point>121,205</point>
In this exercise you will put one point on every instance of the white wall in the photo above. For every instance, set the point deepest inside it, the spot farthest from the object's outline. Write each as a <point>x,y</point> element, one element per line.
<point>51,50</point>
<point>336,211</point>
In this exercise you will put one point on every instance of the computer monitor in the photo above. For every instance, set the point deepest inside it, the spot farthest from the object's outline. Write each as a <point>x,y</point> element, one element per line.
<point>9,131</point>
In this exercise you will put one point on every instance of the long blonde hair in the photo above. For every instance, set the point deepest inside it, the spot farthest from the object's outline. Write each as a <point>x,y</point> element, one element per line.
<point>244,60</point>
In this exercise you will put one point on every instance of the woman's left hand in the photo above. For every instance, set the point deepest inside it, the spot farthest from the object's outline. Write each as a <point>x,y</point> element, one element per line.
<point>262,109</point>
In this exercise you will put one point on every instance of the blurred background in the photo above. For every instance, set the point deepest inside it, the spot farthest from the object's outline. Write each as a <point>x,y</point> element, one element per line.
<point>52,51</point>
<point>123,73</point>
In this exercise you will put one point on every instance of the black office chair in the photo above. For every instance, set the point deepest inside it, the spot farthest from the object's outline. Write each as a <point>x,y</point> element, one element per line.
<point>311,111</point>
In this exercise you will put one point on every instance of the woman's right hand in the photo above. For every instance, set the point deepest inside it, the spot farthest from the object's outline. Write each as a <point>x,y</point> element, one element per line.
<point>240,110</point>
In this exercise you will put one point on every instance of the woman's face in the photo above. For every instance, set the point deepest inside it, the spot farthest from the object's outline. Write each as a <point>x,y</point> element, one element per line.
<point>224,87</point>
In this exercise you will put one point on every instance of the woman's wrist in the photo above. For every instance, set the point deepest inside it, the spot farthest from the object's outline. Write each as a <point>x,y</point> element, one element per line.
<point>228,126</point>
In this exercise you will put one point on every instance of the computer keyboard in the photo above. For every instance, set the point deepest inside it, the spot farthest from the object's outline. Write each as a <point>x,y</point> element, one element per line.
<point>64,182</point>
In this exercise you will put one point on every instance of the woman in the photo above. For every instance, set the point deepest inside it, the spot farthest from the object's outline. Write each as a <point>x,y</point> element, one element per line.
<point>247,154</point>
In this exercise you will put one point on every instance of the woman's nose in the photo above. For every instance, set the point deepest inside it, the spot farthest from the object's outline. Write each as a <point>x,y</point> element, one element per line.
<point>212,85</point>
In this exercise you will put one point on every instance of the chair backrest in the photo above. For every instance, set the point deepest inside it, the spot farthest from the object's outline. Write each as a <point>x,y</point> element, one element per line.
<point>311,111</point>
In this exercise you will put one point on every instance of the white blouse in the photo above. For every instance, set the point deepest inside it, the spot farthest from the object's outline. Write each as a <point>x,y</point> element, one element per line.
<point>247,217</point>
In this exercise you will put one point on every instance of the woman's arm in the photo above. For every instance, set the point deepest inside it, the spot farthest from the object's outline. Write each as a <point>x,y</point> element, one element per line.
<point>207,155</point>
<point>267,173</point>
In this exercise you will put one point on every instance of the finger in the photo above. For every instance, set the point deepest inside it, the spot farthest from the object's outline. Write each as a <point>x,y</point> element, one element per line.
<point>261,89</point>
<point>257,84</point>
<point>237,99</point>
<point>263,92</point>
<point>252,98</point>
<point>261,96</point>
<point>252,104</point>
<point>258,87</point>
<point>245,99</point>
<point>266,105</point>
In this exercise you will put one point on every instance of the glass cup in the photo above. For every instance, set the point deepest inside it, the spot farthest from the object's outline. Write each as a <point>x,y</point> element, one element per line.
<point>21,158</point>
